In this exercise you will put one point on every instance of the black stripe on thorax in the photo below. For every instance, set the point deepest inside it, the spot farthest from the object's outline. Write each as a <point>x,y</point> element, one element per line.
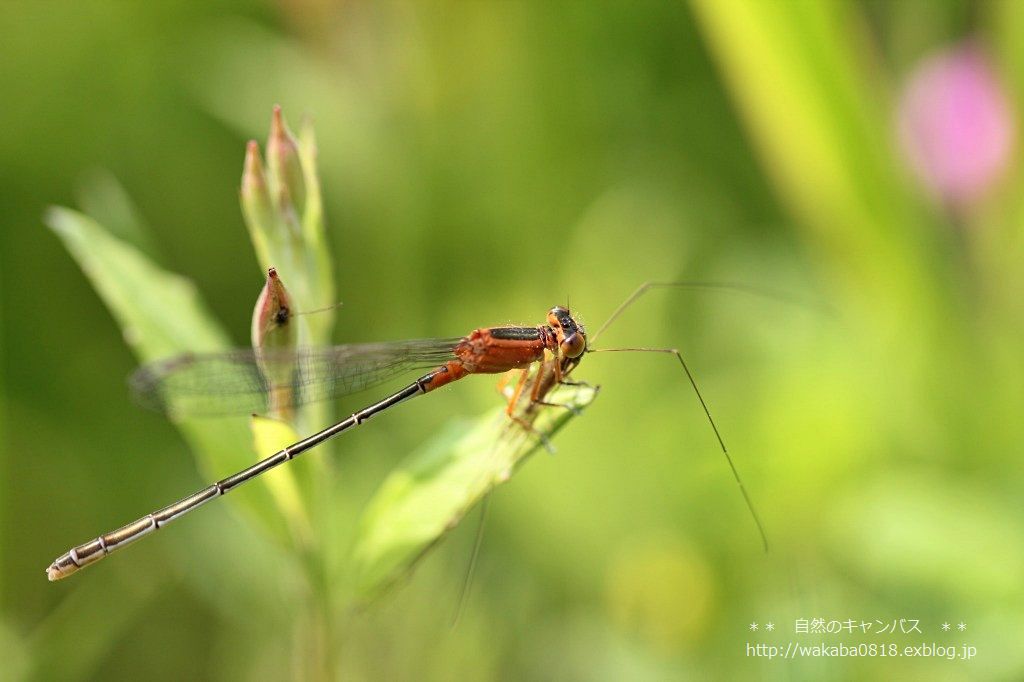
<point>515,333</point>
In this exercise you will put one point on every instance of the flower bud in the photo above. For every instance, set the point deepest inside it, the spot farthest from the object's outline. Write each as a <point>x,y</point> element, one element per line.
<point>955,123</point>
<point>271,319</point>
<point>254,195</point>
<point>284,215</point>
<point>288,182</point>
<point>273,334</point>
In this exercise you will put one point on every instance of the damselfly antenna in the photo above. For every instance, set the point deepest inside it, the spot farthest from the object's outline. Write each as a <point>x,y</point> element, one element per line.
<point>722,286</point>
<point>781,296</point>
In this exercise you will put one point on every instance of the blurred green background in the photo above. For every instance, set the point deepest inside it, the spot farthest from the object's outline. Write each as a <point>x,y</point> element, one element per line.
<point>481,163</point>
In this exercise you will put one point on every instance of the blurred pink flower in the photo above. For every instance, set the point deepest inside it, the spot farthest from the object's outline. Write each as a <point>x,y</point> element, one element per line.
<point>956,126</point>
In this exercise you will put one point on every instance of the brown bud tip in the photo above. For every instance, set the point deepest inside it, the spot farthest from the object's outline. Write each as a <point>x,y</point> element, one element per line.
<point>272,314</point>
<point>276,120</point>
<point>252,154</point>
<point>285,168</point>
<point>254,180</point>
<point>279,133</point>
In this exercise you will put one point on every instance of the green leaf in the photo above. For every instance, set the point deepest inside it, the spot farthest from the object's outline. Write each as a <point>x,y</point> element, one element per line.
<point>434,488</point>
<point>269,436</point>
<point>161,315</point>
<point>101,196</point>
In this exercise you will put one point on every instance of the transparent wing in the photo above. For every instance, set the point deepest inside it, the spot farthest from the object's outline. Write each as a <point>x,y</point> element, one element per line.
<point>242,381</point>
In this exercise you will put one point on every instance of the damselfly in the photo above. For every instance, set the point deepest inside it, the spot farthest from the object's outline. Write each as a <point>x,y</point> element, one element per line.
<point>236,382</point>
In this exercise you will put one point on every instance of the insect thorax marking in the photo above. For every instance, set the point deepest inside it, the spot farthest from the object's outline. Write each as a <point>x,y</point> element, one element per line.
<point>516,333</point>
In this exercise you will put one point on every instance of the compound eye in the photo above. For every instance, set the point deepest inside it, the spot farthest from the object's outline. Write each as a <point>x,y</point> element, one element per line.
<point>573,345</point>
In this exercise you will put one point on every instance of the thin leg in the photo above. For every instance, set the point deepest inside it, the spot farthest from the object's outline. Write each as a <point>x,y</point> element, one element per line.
<point>547,379</point>
<point>544,403</point>
<point>541,383</point>
<point>503,384</point>
<point>707,413</point>
<point>514,399</point>
<point>513,403</point>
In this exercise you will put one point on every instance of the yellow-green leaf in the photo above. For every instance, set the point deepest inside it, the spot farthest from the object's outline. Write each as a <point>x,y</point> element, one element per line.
<point>435,487</point>
<point>269,436</point>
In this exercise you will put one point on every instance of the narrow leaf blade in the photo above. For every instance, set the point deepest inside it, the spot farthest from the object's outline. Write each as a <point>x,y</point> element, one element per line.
<point>434,488</point>
<point>162,315</point>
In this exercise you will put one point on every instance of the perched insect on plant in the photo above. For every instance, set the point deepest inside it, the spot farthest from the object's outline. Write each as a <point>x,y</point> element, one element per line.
<point>237,382</point>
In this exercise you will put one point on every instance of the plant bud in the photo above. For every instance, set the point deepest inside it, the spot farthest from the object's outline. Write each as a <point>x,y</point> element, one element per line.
<point>288,183</point>
<point>271,319</point>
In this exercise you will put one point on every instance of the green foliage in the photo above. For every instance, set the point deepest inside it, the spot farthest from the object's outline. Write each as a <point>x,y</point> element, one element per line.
<point>480,163</point>
<point>430,493</point>
<point>161,315</point>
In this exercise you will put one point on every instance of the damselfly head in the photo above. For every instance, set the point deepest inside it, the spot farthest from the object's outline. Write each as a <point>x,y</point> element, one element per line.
<point>572,339</point>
